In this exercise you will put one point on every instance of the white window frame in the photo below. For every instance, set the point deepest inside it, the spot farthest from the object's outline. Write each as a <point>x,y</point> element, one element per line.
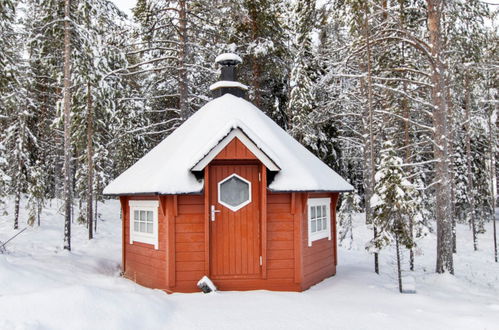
<point>144,205</point>
<point>240,206</point>
<point>323,233</point>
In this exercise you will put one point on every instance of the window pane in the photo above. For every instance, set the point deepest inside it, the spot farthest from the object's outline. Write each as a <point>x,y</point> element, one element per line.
<point>234,191</point>
<point>319,213</point>
<point>135,214</point>
<point>324,211</point>
<point>135,225</point>
<point>149,216</point>
<point>149,228</point>
<point>313,223</point>
<point>142,227</point>
<point>319,224</point>
<point>324,224</point>
<point>312,209</point>
<point>142,215</point>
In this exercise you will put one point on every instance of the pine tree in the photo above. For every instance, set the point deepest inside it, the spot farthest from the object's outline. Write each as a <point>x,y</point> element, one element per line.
<point>301,104</point>
<point>395,201</point>
<point>258,31</point>
<point>7,78</point>
<point>176,47</point>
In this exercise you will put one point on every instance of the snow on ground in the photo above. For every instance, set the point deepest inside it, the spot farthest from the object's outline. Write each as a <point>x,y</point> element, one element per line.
<point>45,287</point>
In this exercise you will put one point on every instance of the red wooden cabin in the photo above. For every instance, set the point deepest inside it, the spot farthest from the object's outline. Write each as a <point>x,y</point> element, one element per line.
<point>232,196</point>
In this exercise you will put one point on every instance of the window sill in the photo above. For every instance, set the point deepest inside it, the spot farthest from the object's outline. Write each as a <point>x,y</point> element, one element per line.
<point>317,237</point>
<point>146,239</point>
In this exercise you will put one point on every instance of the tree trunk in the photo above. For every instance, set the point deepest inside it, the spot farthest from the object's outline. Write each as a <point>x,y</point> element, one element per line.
<point>399,268</point>
<point>407,138</point>
<point>183,88</point>
<point>96,203</point>
<point>67,125</point>
<point>493,186</point>
<point>90,162</point>
<point>18,175</point>
<point>444,261</point>
<point>407,141</point>
<point>453,172</point>
<point>469,165</point>
<point>255,63</point>
<point>38,214</point>
<point>17,201</point>
<point>369,143</point>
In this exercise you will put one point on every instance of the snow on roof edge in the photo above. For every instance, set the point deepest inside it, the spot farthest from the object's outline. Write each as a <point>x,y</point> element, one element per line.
<point>301,170</point>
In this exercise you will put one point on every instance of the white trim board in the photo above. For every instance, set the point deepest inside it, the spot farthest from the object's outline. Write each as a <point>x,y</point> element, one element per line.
<point>323,233</point>
<point>148,238</point>
<point>248,143</point>
<point>219,193</point>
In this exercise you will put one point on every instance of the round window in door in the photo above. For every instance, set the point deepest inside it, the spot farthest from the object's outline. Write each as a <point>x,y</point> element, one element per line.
<point>234,192</point>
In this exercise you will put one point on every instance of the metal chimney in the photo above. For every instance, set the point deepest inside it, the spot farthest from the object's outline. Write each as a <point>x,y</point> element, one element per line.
<point>228,83</point>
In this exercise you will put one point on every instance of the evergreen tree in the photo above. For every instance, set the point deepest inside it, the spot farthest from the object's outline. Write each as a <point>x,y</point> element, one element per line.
<point>395,201</point>
<point>301,103</point>
<point>258,31</point>
<point>7,79</point>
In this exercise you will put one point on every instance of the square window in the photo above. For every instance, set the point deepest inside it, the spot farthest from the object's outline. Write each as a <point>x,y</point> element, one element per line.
<point>319,216</point>
<point>144,221</point>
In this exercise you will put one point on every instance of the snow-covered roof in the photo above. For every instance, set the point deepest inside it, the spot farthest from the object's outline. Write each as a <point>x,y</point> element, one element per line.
<point>166,169</point>
<point>228,57</point>
<point>227,83</point>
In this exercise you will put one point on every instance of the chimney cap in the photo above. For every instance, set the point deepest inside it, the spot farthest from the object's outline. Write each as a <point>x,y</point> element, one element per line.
<point>228,59</point>
<point>228,84</point>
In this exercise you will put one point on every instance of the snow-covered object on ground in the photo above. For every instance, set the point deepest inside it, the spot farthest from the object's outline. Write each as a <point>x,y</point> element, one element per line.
<point>227,83</point>
<point>206,285</point>
<point>166,169</point>
<point>408,284</point>
<point>228,57</point>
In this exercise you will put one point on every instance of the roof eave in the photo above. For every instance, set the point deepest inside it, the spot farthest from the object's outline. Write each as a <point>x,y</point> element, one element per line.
<point>311,191</point>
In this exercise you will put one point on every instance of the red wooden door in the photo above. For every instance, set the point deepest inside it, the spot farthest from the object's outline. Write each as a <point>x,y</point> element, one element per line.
<point>235,229</point>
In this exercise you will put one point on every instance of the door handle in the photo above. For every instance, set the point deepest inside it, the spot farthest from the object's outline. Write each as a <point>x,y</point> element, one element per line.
<point>213,211</point>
